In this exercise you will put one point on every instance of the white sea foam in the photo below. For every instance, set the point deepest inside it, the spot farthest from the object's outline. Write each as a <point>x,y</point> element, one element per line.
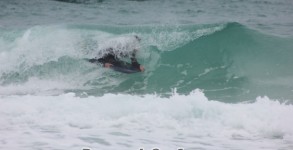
<point>36,113</point>
<point>131,122</point>
<point>37,46</point>
<point>166,40</point>
<point>35,86</point>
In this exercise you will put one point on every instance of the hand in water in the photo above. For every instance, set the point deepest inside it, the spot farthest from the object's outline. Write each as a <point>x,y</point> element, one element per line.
<point>107,65</point>
<point>141,68</point>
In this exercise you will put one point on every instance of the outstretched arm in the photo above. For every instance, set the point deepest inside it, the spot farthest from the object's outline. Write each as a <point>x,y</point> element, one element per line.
<point>104,62</point>
<point>107,60</point>
<point>135,64</point>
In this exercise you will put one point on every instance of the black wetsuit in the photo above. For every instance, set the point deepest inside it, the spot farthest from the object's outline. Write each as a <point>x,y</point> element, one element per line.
<point>112,59</point>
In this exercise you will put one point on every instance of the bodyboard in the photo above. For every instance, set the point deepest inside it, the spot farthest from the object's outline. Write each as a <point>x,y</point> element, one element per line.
<point>122,66</point>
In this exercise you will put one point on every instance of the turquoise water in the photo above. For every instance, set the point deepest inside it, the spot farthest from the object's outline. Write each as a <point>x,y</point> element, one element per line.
<point>230,62</point>
<point>213,71</point>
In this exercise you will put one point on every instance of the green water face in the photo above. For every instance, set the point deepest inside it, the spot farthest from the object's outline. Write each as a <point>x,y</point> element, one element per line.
<point>229,62</point>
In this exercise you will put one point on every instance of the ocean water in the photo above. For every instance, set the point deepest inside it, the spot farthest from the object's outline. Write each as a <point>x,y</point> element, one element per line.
<point>218,75</point>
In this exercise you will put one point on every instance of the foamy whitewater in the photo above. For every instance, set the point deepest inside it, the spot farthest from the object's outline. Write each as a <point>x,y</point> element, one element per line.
<point>218,75</point>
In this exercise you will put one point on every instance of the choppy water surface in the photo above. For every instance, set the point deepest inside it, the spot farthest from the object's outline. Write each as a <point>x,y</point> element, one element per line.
<point>218,75</point>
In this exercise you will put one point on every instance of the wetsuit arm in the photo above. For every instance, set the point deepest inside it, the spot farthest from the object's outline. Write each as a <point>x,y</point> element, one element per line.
<point>102,60</point>
<point>134,62</point>
<point>107,59</point>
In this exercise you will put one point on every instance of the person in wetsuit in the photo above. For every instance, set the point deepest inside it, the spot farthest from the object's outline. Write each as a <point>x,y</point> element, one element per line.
<point>110,59</point>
